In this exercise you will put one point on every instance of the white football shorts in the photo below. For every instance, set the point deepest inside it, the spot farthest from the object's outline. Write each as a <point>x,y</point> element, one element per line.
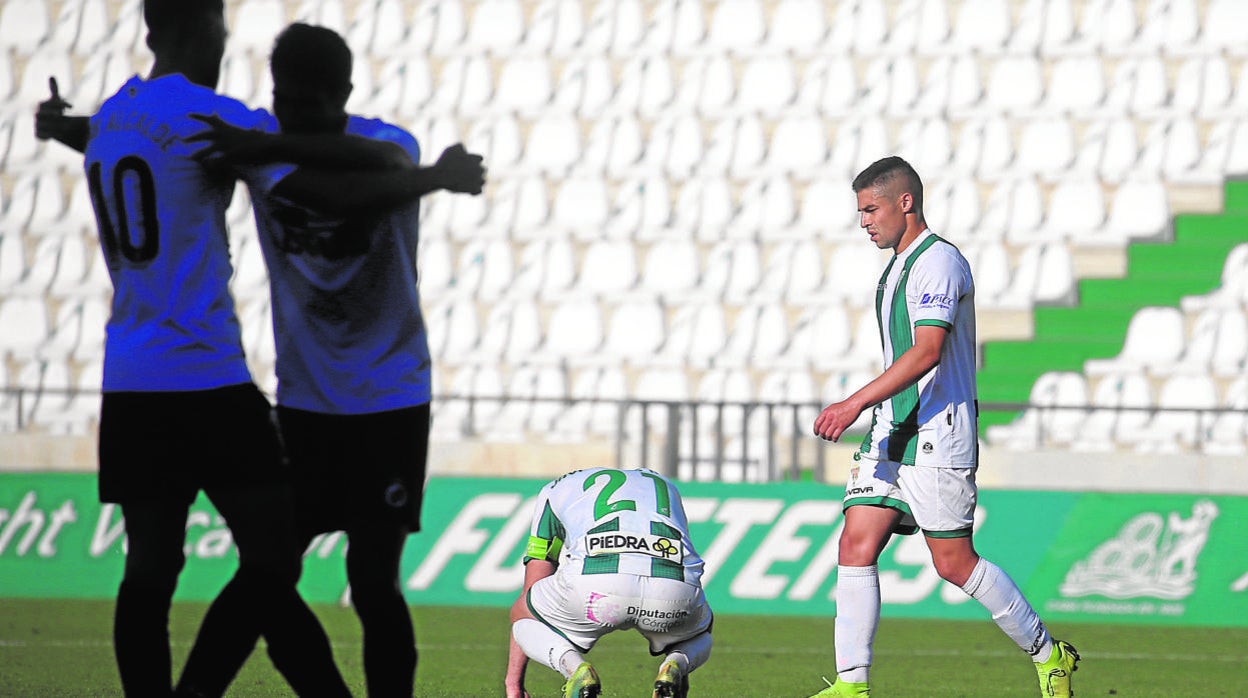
<point>940,501</point>
<point>584,607</point>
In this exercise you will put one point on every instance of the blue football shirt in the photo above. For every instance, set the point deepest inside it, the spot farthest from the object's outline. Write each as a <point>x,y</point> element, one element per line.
<point>161,220</point>
<point>347,322</point>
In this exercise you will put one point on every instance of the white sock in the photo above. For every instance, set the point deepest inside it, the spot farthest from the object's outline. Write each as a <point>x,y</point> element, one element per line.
<point>857,617</point>
<point>992,587</point>
<point>544,645</point>
<point>691,654</point>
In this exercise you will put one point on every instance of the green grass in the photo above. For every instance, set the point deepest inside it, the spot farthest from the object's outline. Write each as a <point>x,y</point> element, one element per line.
<point>62,648</point>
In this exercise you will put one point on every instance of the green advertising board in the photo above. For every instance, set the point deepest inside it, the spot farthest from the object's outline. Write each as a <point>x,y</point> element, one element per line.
<point>769,549</point>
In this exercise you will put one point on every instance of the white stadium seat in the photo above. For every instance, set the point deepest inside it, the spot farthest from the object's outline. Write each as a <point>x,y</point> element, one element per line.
<point>1184,414</point>
<point>1230,355</point>
<point>1109,425</point>
<point>635,331</point>
<point>678,26</point>
<point>524,332</point>
<point>1172,26</point>
<point>920,25</point>
<point>581,208</point>
<point>828,85</point>
<point>982,26</point>
<point>819,332</point>
<point>1202,86</point>
<point>72,265</point>
<point>453,329</point>
<point>379,25</point>
<point>736,26</point>
<point>575,330</point>
<point>766,207</point>
<point>614,147</point>
<point>683,166</point>
<point>1139,210</point>
<point>1228,431</point>
<point>325,13</point>
<point>646,86</point>
<point>1076,86</point>
<point>705,206</point>
<point>496,27</point>
<point>509,321</point>
<point>438,27</point>
<point>671,268</point>
<point>81,26</point>
<point>1226,26</point>
<point>24,24</point>
<point>829,211</point>
<point>1154,341</point>
<point>1120,152</point>
<point>733,270</point>
<point>525,85</point>
<point>553,145</point>
<point>1138,86</point>
<point>794,273</point>
<point>1076,209</point>
<point>556,28</point>
<point>1107,25</point>
<point>1046,148</point>
<point>990,267</point>
<point>608,268</point>
<point>869,28</point>
<point>255,24</point>
<point>642,209</point>
<point>1015,86</point>
<point>797,25</point>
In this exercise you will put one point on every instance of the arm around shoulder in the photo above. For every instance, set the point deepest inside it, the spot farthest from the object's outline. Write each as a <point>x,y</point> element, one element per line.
<point>345,192</point>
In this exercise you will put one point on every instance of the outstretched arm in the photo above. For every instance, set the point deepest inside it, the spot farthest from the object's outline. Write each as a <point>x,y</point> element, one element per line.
<point>903,373</point>
<point>341,174</point>
<point>456,170</point>
<point>232,147</point>
<point>51,121</point>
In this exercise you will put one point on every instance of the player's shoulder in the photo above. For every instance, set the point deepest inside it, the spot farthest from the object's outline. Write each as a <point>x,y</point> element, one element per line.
<point>173,97</point>
<point>377,128</point>
<point>941,253</point>
<point>384,131</point>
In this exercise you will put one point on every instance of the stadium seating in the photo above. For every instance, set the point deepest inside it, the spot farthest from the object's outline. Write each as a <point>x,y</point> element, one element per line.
<point>669,193</point>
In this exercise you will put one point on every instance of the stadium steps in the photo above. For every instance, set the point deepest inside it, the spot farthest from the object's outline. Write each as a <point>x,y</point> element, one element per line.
<point>1158,274</point>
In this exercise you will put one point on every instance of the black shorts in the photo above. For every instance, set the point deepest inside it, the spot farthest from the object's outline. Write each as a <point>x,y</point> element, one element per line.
<point>357,468</point>
<point>169,445</point>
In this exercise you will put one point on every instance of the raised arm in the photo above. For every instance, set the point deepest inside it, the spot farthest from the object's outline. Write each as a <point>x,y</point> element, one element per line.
<point>51,121</point>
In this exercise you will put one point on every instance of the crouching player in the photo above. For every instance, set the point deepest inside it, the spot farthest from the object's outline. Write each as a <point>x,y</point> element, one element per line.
<point>609,550</point>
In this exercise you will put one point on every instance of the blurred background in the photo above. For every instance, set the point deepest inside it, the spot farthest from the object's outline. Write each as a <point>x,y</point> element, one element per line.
<point>666,267</point>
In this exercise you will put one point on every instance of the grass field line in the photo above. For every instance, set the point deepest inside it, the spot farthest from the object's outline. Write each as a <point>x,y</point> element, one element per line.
<point>721,649</point>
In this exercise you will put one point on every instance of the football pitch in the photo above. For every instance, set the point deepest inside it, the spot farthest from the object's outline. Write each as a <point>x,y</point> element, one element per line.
<point>63,648</point>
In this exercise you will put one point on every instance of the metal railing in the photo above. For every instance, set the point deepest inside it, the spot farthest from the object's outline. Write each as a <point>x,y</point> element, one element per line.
<point>749,440</point>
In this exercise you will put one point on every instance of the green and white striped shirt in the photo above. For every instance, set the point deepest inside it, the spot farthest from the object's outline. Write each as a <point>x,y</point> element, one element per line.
<point>934,421</point>
<point>606,521</point>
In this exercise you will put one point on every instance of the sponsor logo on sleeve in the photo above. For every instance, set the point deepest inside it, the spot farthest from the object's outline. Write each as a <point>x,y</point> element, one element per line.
<point>937,300</point>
